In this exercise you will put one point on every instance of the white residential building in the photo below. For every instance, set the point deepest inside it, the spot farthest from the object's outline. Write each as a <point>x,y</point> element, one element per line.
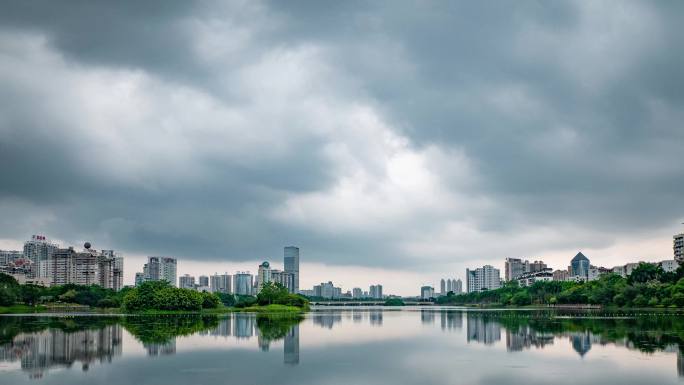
<point>483,278</point>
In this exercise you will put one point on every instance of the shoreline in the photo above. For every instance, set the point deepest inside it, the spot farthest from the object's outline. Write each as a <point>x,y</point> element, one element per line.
<point>85,311</point>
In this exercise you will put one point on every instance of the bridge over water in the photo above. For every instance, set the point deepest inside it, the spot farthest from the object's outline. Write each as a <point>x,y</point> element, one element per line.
<point>366,303</point>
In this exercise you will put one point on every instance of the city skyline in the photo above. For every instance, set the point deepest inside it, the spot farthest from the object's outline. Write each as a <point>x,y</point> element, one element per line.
<point>38,245</point>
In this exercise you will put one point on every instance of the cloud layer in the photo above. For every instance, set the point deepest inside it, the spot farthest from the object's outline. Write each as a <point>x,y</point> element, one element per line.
<point>421,136</point>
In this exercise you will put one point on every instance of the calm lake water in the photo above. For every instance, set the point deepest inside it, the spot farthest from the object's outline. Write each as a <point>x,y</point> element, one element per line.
<point>346,346</point>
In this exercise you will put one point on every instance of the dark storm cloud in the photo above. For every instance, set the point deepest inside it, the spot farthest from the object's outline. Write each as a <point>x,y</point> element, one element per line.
<point>568,116</point>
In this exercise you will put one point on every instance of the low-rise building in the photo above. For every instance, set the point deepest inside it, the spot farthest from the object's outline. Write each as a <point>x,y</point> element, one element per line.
<point>669,265</point>
<point>528,279</point>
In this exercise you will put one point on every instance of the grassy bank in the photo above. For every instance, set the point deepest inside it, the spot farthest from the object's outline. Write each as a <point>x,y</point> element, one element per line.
<point>274,308</point>
<point>22,309</point>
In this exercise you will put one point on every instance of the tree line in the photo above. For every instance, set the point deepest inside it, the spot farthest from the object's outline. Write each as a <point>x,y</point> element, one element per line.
<point>153,295</point>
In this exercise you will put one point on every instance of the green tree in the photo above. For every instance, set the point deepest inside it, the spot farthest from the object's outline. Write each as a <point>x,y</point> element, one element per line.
<point>30,294</point>
<point>210,300</point>
<point>521,299</point>
<point>645,272</point>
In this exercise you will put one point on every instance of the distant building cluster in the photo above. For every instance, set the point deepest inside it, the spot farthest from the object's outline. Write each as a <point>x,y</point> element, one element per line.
<point>328,290</point>
<point>158,269</point>
<point>241,283</point>
<point>526,273</point>
<point>44,263</point>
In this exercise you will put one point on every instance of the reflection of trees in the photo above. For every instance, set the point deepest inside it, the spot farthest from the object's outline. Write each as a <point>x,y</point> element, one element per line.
<point>648,334</point>
<point>275,327</point>
<point>161,329</point>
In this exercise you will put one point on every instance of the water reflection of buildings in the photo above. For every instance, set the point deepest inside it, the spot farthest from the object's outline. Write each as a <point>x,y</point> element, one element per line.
<point>483,330</point>
<point>327,320</point>
<point>291,346</point>
<point>451,320</point>
<point>581,342</point>
<point>222,330</point>
<point>243,327</point>
<point>526,337</point>
<point>427,316</point>
<point>375,317</point>
<point>357,316</point>
<point>41,351</point>
<point>161,349</point>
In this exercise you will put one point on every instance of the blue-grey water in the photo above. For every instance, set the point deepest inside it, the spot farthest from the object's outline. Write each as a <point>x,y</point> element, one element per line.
<point>346,346</point>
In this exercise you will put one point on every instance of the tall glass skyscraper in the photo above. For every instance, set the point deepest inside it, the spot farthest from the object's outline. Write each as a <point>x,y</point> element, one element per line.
<point>291,263</point>
<point>580,265</point>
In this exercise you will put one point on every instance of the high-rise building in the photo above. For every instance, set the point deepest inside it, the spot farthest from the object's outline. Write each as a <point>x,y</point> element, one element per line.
<point>482,278</point>
<point>9,257</point>
<point>88,267</point>
<point>287,279</point>
<point>139,279</point>
<point>117,268</point>
<point>291,265</point>
<point>515,267</point>
<point>357,292</point>
<point>579,266</point>
<point>39,251</point>
<point>327,290</point>
<point>678,248</point>
<point>160,268</point>
<point>427,292</point>
<point>243,282</point>
<point>457,286</point>
<point>263,275</point>
<point>375,291</point>
<point>220,283</point>
<point>203,280</point>
<point>186,282</point>
<point>442,287</point>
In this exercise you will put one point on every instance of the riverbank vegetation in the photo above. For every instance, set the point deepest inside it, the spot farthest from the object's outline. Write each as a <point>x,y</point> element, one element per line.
<point>647,286</point>
<point>150,297</point>
<point>394,302</point>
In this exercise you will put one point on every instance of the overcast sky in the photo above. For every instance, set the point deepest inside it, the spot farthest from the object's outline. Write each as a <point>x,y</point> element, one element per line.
<point>394,142</point>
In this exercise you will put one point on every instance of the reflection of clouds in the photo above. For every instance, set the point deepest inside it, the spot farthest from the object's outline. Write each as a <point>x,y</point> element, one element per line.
<point>41,351</point>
